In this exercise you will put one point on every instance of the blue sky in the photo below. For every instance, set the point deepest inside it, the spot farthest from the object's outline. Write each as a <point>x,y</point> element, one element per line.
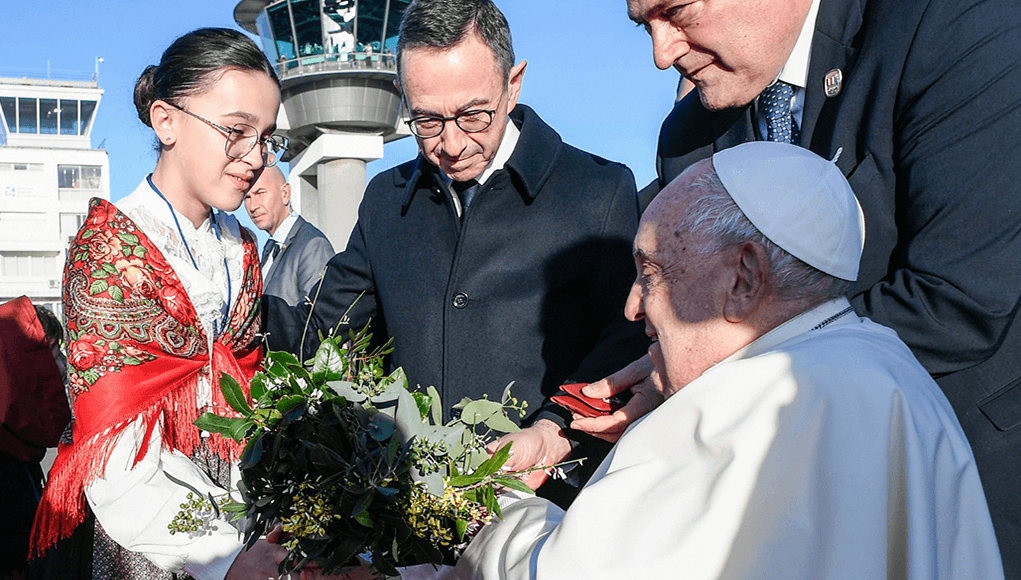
<point>590,73</point>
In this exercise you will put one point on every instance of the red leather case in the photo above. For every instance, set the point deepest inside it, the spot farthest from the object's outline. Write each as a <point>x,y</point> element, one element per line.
<point>571,399</point>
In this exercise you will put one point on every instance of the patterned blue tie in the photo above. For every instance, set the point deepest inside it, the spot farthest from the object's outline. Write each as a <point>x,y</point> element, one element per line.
<point>272,249</point>
<point>775,105</point>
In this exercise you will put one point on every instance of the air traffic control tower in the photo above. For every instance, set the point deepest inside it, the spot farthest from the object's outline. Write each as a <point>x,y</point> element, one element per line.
<point>335,60</point>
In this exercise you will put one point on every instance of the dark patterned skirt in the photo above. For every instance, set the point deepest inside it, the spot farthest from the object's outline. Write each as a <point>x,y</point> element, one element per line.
<point>90,554</point>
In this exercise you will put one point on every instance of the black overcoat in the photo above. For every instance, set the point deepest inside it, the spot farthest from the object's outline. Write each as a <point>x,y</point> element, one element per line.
<point>529,287</point>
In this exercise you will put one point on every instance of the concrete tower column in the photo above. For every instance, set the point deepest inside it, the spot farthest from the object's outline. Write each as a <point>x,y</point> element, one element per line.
<point>341,185</point>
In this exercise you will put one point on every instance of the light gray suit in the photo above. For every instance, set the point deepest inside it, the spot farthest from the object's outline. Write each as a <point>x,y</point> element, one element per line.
<point>299,265</point>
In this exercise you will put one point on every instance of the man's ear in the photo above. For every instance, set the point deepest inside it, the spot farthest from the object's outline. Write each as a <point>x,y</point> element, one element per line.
<point>285,193</point>
<point>162,122</point>
<point>514,84</point>
<point>750,286</point>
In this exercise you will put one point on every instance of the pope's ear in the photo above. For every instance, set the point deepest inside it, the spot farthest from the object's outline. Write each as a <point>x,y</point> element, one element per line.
<point>750,282</point>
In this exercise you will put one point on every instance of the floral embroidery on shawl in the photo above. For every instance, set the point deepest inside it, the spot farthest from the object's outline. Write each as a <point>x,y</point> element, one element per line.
<point>136,351</point>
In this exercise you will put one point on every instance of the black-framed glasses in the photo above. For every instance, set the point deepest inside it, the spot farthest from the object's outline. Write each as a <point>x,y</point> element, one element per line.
<point>242,138</point>
<point>474,121</point>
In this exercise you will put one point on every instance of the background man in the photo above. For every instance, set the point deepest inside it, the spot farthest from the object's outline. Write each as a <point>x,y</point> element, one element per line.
<point>798,440</point>
<point>499,254</point>
<point>296,252</point>
<point>920,105</point>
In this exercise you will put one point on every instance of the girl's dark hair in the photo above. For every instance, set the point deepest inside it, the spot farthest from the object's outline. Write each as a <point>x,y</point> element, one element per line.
<point>195,61</point>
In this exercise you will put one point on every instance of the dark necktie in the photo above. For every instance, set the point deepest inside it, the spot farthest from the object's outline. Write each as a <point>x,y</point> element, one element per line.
<point>775,106</point>
<point>270,251</point>
<point>465,190</point>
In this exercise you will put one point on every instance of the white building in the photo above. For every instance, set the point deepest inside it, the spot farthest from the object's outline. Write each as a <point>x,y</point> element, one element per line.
<point>48,173</point>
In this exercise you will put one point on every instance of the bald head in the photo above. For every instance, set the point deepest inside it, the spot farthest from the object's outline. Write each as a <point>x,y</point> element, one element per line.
<point>268,201</point>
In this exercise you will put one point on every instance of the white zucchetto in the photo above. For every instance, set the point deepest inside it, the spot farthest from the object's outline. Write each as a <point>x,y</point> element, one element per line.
<point>798,200</point>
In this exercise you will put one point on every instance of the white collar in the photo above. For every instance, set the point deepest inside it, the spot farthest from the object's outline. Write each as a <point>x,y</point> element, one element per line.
<point>795,71</point>
<point>832,312</point>
<point>285,227</point>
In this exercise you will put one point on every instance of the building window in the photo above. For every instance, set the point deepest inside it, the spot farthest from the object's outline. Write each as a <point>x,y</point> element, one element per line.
<point>8,106</point>
<point>48,114</point>
<point>79,176</point>
<point>27,112</point>
<point>28,265</point>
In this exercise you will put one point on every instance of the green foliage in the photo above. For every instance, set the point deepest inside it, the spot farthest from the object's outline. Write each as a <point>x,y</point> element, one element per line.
<point>352,461</point>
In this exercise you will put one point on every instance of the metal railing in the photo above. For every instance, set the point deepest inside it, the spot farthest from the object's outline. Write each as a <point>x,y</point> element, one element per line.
<point>342,61</point>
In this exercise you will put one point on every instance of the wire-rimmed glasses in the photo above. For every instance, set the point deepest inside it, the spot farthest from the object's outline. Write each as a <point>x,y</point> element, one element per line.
<point>242,138</point>
<point>473,121</point>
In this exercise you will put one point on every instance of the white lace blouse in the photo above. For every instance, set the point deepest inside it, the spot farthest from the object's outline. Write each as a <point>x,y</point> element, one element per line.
<point>135,504</point>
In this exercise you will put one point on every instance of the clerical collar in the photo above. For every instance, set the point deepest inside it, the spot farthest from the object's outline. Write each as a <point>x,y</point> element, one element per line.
<point>284,229</point>
<point>503,153</point>
<point>795,71</point>
<point>827,314</point>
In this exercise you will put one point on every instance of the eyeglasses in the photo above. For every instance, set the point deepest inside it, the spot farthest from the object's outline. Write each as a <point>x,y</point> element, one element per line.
<point>242,138</point>
<point>474,121</point>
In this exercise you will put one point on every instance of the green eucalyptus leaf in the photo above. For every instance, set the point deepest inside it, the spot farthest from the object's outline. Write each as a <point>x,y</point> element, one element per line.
<point>501,423</point>
<point>460,526</point>
<point>381,426</point>
<point>347,390</point>
<point>234,394</point>
<point>435,405</point>
<point>477,412</point>
<point>258,388</point>
<point>240,429</point>
<point>507,393</point>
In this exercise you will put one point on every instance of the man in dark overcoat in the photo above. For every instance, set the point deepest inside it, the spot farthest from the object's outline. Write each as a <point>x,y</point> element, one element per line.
<point>499,254</point>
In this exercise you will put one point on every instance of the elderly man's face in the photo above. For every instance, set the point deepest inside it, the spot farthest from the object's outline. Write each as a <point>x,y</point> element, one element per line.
<point>678,291</point>
<point>445,83</point>
<point>730,49</point>
<point>267,201</point>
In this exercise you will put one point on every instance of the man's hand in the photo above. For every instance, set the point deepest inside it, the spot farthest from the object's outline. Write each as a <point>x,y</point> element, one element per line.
<point>262,561</point>
<point>541,444</point>
<point>648,392</point>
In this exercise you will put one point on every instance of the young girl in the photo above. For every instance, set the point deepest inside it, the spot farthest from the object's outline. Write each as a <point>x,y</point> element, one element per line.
<point>160,296</point>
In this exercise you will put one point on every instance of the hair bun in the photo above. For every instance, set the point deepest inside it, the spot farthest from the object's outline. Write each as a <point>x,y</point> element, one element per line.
<point>145,93</point>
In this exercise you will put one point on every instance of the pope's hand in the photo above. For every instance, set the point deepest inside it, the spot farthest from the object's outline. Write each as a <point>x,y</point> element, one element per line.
<point>261,561</point>
<point>647,393</point>
<point>540,445</point>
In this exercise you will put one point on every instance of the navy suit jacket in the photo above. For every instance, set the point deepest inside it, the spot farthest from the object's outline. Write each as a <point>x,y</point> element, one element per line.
<point>299,265</point>
<point>926,127</point>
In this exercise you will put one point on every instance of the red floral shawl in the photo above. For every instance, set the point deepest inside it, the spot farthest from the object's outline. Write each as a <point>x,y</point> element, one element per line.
<point>136,349</point>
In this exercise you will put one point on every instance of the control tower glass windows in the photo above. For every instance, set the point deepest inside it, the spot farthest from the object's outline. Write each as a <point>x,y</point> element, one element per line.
<point>88,110</point>
<point>307,26</point>
<point>9,107</point>
<point>69,117</point>
<point>48,113</point>
<point>28,108</point>
<point>283,34</point>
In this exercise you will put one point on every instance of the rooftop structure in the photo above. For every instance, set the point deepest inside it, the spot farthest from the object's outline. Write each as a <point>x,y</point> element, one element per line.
<point>48,172</point>
<point>335,60</point>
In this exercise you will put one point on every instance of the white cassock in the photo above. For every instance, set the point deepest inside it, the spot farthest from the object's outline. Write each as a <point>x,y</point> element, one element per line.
<point>823,450</point>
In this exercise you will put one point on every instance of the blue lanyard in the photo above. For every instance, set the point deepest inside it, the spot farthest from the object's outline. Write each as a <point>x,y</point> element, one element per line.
<point>216,227</point>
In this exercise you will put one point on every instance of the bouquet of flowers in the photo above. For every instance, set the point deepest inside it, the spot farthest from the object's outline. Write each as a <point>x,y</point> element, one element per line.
<point>354,463</point>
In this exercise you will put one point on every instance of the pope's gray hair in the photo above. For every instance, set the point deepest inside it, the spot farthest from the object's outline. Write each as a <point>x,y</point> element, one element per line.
<point>719,223</point>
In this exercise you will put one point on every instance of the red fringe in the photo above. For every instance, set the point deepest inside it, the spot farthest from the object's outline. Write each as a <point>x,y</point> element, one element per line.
<point>64,507</point>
